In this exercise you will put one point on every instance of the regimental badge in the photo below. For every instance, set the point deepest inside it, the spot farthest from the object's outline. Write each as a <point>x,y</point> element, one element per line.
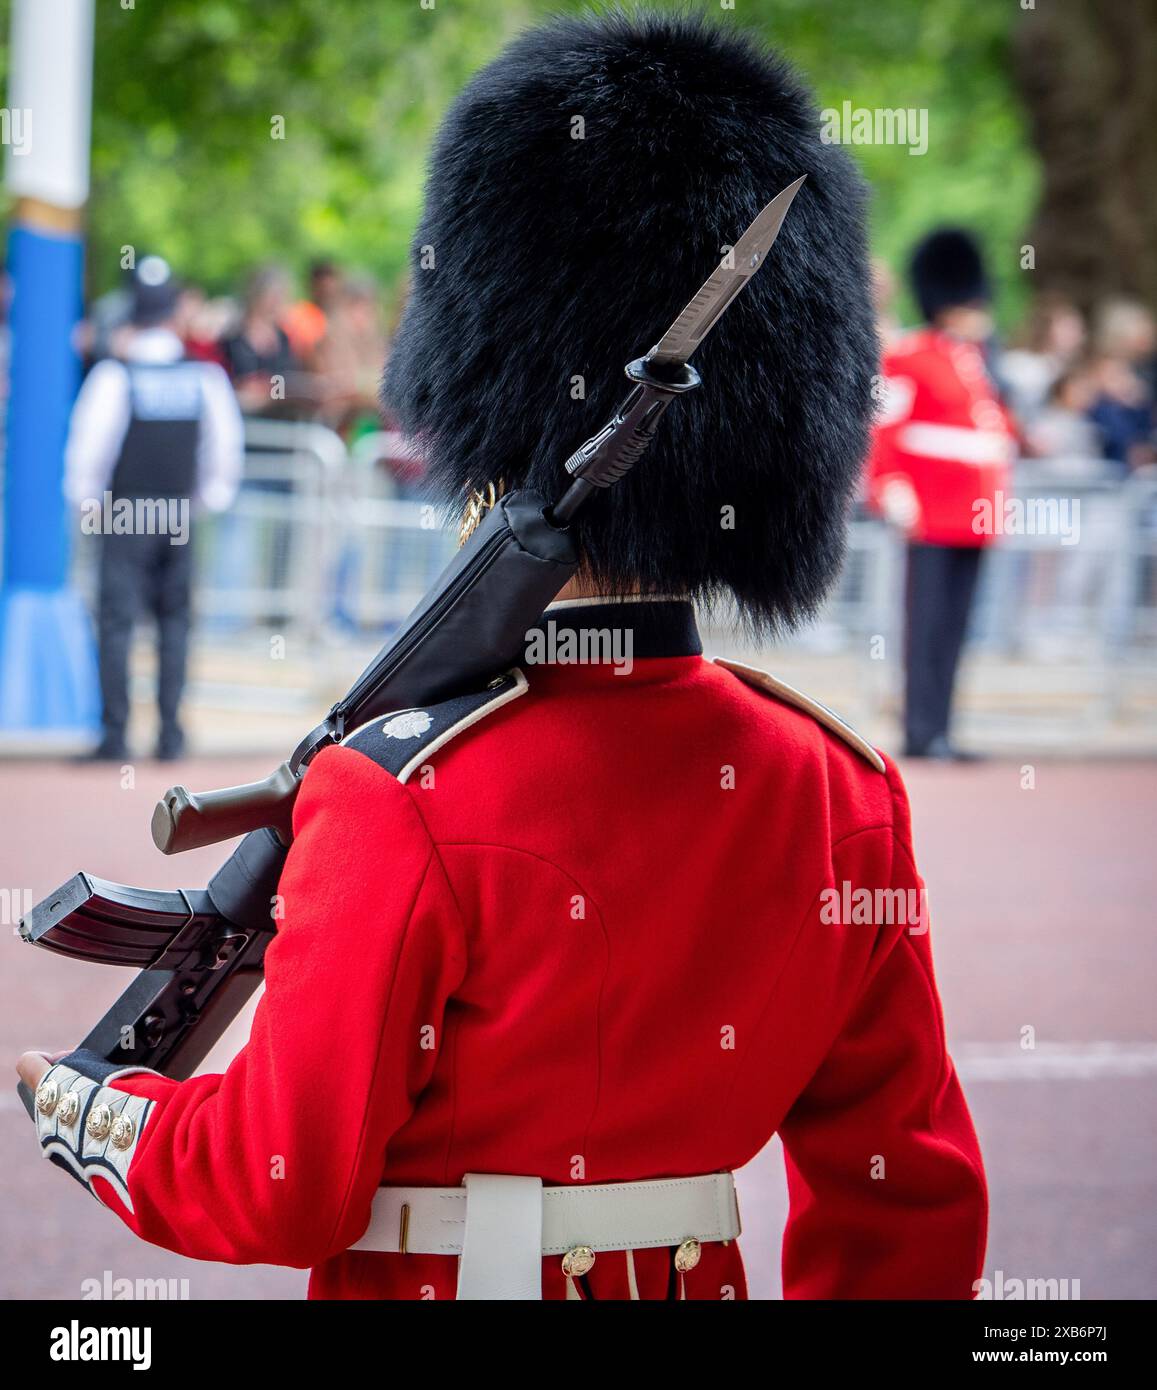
<point>412,724</point>
<point>402,742</point>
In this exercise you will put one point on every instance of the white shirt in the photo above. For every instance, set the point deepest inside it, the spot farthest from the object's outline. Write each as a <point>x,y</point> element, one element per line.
<point>103,410</point>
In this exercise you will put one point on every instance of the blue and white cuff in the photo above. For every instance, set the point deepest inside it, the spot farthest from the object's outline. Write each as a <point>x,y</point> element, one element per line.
<point>88,1128</point>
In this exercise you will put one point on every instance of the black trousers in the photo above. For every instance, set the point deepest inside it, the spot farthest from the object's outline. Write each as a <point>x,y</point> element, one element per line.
<point>940,589</point>
<point>143,574</point>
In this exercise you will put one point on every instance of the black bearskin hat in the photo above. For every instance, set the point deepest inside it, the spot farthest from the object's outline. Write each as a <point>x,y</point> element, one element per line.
<point>581,189</point>
<point>948,271</point>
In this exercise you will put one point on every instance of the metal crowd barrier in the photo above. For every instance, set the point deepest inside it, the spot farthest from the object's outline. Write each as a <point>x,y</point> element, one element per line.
<point>321,539</point>
<point>327,542</point>
<point>1064,628</point>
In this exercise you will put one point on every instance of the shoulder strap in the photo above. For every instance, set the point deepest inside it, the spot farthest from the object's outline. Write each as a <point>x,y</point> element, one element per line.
<point>402,741</point>
<point>780,690</point>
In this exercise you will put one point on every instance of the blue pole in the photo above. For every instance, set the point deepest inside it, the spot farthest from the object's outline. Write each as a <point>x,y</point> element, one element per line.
<point>48,682</point>
<point>47,665</point>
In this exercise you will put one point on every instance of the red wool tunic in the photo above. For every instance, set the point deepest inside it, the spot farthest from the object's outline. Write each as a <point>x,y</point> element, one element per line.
<point>942,430</point>
<point>591,937</point>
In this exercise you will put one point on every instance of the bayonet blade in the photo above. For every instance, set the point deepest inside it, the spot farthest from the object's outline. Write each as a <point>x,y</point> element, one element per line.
<point>724,282</point>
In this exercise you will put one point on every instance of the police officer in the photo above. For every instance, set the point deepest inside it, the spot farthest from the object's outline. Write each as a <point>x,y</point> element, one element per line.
<point>939,470</point>
<point>556,956</point>
<point>151,437</point>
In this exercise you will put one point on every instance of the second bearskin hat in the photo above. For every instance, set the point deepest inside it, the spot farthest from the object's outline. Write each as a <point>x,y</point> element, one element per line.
<point>947,271</point>
<point>580,190</point>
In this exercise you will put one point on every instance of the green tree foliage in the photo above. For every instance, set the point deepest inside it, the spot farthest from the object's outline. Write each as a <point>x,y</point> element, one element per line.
<point>187,91</point>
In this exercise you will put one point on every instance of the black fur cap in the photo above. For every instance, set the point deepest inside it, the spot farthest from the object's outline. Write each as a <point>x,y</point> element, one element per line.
<point>558,257</point>
<point>948,271</point>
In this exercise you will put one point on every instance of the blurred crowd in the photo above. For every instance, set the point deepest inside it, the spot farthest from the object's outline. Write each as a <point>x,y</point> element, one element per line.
<point>1078,386</point>
<point>316,355</point>
<point>1084,390</point>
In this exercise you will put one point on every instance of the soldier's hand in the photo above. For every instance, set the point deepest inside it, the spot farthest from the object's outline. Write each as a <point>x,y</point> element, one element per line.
<point>32,1066</point>
<point>900,505</point>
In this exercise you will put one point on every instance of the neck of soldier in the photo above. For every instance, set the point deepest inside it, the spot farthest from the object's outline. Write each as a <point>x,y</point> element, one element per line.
<point>582,586</point>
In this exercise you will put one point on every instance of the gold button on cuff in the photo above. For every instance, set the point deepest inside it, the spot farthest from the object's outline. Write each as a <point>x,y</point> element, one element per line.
<point>688,1255</point>
<point>578,1261</point>
<point>123,1132</point>
<point>47,1097</point>
<point>99,1122</point>
<point>69,1108</point>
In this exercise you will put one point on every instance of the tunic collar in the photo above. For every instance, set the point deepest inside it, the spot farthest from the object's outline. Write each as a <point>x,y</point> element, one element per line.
<point>582,631</point>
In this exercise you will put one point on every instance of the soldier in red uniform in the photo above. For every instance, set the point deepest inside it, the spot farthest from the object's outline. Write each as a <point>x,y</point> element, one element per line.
<point>939,470</point>
<point>556,957</point>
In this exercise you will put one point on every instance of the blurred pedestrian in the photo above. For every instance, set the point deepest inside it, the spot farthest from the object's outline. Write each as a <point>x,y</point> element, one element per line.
<point>1050,344</point>
<point>107,327</point>
<point>203,324</point>
<point>149,437</point>
<point>258,356</point>
<point>307,322</point>
<point>939,471</point>
<point>1061,428</point>
<point>349,360</point>
<point>1123,408</point>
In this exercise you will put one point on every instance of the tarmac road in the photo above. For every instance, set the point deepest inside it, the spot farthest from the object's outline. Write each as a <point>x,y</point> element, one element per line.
<point>1042,918</point>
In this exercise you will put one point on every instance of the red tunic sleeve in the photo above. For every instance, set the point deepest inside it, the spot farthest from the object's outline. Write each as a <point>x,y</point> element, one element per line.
<point>884,465</point>
<point>886,1183</point>
<point>277,1160</point>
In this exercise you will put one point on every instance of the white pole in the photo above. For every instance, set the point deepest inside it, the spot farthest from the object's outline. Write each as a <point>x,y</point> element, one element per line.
<point>50,101</point>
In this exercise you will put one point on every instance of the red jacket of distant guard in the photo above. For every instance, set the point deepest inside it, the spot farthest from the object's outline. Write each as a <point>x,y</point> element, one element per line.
<point>942,430</point>
<point>601,934</point>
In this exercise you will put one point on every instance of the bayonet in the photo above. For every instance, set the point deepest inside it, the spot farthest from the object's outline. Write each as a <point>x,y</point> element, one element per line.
<point>666,371</point>
<point>724,283</point>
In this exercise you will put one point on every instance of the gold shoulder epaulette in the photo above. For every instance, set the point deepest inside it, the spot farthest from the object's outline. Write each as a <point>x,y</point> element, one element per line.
<point>780,690</point>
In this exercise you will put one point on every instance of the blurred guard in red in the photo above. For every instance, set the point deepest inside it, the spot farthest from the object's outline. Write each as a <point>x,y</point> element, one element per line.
<point>939,470</point>
<point>556,957</point>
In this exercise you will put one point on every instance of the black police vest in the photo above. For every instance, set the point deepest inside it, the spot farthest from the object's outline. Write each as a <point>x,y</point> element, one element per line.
<point>159,455</point>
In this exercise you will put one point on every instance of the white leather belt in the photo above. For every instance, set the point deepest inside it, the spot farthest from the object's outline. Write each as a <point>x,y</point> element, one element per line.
<point>502,1225</point>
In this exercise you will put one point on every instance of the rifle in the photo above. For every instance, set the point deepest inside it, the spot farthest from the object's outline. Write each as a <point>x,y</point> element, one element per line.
<point>200,952</point>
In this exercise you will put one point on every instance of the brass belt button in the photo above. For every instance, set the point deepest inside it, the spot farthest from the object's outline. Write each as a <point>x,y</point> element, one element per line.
<point>688,1255</point>
<point>47,1097</point>
<point>68,1109</point>
<point>99,1122</point>
<point>123,1132</point>
<point>578,1261</point>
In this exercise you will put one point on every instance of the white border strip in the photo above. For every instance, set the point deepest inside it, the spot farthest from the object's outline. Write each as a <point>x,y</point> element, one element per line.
<point>519,687</point>
<point>1093,1061</point>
